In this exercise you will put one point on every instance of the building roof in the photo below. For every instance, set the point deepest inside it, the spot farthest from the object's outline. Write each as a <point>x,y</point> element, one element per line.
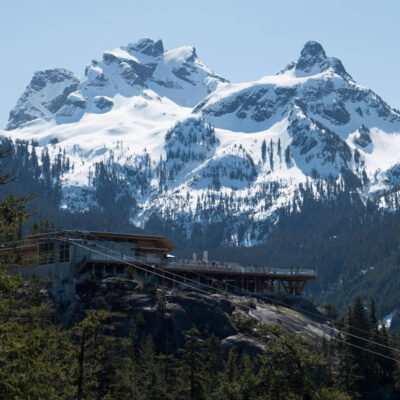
<point>106,235</point>
<point>22,248</point>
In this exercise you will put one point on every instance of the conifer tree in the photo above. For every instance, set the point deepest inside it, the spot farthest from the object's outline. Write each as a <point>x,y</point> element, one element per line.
<point>35,354</point>
<point>279,150</point>
<point>192,372</point>
<point>288,156</point>
<point>151,376</point>
<point>271,155</point>
<point>264,151</point>
<point>387,366</point>
<point>228,380</point>
<point>362,331</point>
<point>247,379</point>
<point>92,346</point>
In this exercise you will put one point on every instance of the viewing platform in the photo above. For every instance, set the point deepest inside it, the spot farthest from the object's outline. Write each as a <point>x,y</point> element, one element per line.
<point>254,279</point>
<point>67,257</point>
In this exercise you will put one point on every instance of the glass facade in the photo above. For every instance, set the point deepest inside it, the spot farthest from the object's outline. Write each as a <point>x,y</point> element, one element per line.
<point>46,253</point>
<point>64,252</point>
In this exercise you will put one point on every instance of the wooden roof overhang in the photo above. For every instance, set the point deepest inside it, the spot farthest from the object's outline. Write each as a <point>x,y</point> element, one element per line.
<point>162,242</point>
<point>22,249</point>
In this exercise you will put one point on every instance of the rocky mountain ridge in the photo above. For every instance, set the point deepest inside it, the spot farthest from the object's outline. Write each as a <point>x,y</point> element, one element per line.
<point>169,313</point>
<point>167,139</point>
<point>125,71</point>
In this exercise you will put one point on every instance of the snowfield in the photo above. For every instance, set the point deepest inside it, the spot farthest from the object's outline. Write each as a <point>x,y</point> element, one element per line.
<point>186,145</point>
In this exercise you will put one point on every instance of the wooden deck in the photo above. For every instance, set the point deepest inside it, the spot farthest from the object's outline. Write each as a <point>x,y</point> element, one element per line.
<point>254,279</point>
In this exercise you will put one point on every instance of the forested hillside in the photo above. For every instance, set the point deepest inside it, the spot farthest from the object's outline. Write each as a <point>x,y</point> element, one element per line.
<point>106,349</point>
<point>353,243</point>
<point>92,358</point>
<point>301,166</point>
<point>355,248</point>
<point>152,136</point>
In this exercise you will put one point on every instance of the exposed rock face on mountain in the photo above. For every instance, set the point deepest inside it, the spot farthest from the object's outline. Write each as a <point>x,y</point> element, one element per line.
<point>125,71</point>
<point>318,85</point>
<point>167,139</point>
<point>168,314</point>
<point>43,97</point>
<point>314,60</point>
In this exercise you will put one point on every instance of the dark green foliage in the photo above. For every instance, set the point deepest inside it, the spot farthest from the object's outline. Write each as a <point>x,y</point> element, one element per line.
<point>33,351</point>
<point>12,218</point>
<point>112,191</point>
<point>354,247</point>
<point>365,371</point>
<point>20,163</point>
<point>331,311</point>
<point>41,359</point>
<point>24,175</point>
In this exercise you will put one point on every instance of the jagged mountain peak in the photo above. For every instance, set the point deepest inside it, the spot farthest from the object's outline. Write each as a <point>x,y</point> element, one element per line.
<point>313,60</point>
<point>327,92</point>
<point>179,144</point>
<point>126,71</point>
<point>147,46</point>
<point>54,75</point>
<point>312,51</point>
<point>312,57</point>
<point>44,96</point>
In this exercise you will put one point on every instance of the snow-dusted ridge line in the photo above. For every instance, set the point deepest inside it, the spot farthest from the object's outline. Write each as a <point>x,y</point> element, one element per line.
<point>183,143</point>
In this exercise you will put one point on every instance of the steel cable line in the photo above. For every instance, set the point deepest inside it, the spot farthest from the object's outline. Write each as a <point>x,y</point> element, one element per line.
<point>343,325</point>
<point>265,298</point>
<point>227,294</point>
<point>331,337</point>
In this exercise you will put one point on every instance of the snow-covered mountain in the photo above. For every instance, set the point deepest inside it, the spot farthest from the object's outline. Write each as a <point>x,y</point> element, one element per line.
<point>125,71</point>
<point>175,141</point>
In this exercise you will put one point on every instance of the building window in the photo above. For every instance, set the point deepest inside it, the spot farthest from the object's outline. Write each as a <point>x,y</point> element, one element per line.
<point>46,253</point>
<point>64,252</point>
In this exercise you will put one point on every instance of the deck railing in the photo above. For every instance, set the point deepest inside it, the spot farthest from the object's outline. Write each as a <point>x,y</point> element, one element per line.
<point>232,268</point>
<point>109,255</point>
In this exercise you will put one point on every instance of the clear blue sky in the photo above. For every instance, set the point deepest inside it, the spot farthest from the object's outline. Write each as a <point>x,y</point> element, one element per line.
<point>242,40</point>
